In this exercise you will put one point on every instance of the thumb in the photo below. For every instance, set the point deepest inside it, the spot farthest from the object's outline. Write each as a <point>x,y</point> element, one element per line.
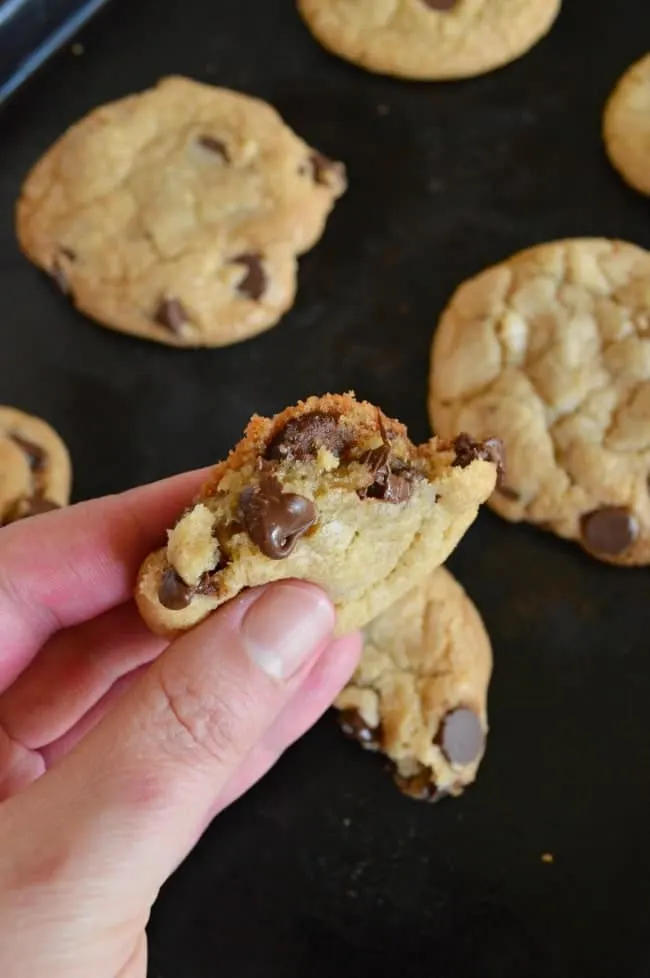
<point>130,801</point>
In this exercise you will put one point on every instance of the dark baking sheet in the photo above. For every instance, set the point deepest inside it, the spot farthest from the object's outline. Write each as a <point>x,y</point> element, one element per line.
<point>324,865</point>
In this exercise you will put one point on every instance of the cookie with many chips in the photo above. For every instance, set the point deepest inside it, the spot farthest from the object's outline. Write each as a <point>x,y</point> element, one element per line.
<point>177,214</point>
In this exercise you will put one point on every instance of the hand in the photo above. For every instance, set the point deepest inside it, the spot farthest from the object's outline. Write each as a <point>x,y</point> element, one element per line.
<point>117,749</point>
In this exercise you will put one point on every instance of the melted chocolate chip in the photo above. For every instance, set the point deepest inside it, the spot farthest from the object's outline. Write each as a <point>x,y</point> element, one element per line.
<point>420,787</point>
<point>440,4</point>
<point>253,285</point>
<point>322,167</point>
<point>172,314</point>
<point>36,456</point>
<point>302,437</point>
<point>392,479</point>
<point>468,450</point>
<point>173,592</point>
<point>216,146</point>
<point>29,506</point>
<point>461,736</point>
<point>609,530</point>
<point>275,520</point>
<point>509,493</point>
<point>355,727</point>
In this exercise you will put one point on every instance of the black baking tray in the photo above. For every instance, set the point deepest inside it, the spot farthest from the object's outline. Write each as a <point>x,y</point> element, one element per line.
<point>324,866</point>
<point>31,31</point>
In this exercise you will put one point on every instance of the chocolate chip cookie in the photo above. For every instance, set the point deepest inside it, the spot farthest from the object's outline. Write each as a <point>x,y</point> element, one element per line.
<point>330,491</point>
<point>429,39</point>
<point>177,214</point>
<point>626,126</point>
<point>35,470</point>
<point>550,352</point>
<point>419,694</point>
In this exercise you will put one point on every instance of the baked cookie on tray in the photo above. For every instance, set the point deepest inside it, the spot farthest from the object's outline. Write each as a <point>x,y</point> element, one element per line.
<point>177,214</point>
<point>550,352</point>
<point>419,694</point>
<point>35,472</point>
<point>330,491</point>
<point>429,39</point>
<point>626,126</point>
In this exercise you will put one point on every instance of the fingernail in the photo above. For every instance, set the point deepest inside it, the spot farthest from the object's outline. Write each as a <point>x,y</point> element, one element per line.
<point>285,626</point>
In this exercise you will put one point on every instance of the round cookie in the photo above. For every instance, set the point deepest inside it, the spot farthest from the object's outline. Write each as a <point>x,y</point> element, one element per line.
<point>550,352</point>
<point>626,126</point>
<point>429,39</point>
<point>35,472</point>
<point>177,214</point>
<point>419,694</point>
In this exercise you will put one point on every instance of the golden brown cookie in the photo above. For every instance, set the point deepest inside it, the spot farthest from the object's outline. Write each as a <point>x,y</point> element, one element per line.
<point>429,39</point>
<point>626,126</point>
<point>419,694</point>
<point>35,472</point>
<point>330,491</point>
<point>550,352</point>
<point>177,214</point>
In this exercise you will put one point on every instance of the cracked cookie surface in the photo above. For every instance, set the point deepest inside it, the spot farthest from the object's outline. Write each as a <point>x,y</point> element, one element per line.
<point>550,352</point>
<point>35,472</point>
<point>177,214</point>
<point>626,126</point>
<point>429,39</point>
<point>419,694</point>
<point>330,491</point>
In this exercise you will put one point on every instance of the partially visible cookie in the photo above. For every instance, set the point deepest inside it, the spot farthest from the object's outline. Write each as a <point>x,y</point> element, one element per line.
<point>550,352</point>
<point>626,126</point>
<point>419,694</point>
<point>429,39</point>
<point>35,472</point>
<point>177,214</point>
<point>329,491</point>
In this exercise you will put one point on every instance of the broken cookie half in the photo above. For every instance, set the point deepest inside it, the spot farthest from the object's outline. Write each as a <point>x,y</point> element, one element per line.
<point>329,491</point>
<point>419,694</point>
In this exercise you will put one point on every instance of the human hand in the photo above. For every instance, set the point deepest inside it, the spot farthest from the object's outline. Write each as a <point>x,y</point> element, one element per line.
<point>117,749</point>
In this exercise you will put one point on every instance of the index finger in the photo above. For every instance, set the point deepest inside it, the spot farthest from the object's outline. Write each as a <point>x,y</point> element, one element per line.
<point>65,567</point>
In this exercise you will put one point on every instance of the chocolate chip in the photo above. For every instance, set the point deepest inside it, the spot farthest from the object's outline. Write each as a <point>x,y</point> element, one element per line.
<point>420,787</point>
<point>275,520</point>
<point>508,493</point>
<point>302,437</point>
<point>355,727</point>
<point>392,479</point>
<point>609,530</point>
<point>29,506</point>
<point>36,456</point>
<point>173,592</point>
<point>215,146</point>
<point>253,285</point>
<point>461,736</point>
<point>440,4</point>
<point>468,450</point>
<point>172,314</point>
<point>322,168</point>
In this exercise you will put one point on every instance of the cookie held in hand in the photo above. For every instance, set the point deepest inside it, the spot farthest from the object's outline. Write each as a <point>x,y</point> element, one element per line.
<point>35,473</point>
<point>419,694</point>
<point>329,491</point>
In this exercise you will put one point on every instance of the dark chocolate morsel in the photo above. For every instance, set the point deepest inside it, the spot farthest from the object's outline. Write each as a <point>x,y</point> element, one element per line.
<point>392,479</point>
<point>420,787</point>
<point>275,520</point>
<point>172,314</point>
<point>355,727</point>
<point>253,285</point>
<point>302,437</point>
<point>36,456</point>
<point>609,530</point>
<point>216,146</point>
<point>461,736</point>
<point>491,450</point>
<point>173,592</point>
